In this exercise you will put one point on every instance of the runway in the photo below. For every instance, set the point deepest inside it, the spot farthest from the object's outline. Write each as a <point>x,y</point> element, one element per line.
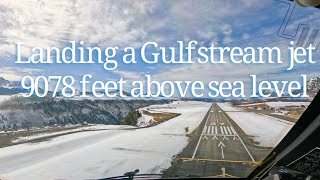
<point>219,148</point>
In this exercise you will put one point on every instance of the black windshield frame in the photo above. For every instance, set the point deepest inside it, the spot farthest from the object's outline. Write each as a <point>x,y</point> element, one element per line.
<point>288,142</point>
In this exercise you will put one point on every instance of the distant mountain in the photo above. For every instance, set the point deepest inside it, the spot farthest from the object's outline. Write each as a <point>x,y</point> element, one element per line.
<point>117,92</point>
<point>10,87</point>
<point>29,112</point>
<point>9,84</point>
<point>4,82</point>
<point>37,112</point>
<point>313,86</point>
<point>11,91</point>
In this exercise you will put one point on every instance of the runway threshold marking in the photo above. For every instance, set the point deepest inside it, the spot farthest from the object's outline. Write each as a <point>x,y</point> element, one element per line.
<point>229,130</point>
<point>217,160</point>
<point>225,130</point>
<point>221,130</point>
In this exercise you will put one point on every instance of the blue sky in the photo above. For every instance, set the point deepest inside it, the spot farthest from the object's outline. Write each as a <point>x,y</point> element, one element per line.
<point>131,23</point>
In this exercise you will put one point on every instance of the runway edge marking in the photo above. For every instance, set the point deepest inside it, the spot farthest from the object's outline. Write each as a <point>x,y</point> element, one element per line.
<point>195,151</point>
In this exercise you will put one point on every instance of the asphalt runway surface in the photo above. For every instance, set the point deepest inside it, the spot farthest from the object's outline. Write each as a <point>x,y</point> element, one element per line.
<point>218,148</point>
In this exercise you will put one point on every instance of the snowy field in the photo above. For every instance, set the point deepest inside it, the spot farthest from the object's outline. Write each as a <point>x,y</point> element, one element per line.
<point>267,131</point>
<point>4,98</point>
<point>144,120</point>
<point>93,127</point>
<point>174,107</point>
<point>99,154</point>
<point>279,104</point>
<point>282,104</point>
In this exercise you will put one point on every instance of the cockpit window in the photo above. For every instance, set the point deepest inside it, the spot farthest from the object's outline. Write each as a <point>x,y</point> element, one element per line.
<point>156,89</point>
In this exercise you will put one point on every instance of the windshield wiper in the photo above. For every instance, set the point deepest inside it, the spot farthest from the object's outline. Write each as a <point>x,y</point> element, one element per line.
<point>134,175</point>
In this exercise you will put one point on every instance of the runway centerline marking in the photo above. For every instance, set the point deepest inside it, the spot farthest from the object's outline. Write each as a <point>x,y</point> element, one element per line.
<point>221,145</point>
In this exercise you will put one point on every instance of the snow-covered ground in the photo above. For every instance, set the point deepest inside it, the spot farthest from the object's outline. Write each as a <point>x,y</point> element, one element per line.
<point>98,154</point>
<point>278,104</point>
<point>266,130</point>
<point>4,98</point>
<point>144,120</point>
<point>245,105</point>
<point>94,127</point>
<point>282,104</point>
<point>174,107</point>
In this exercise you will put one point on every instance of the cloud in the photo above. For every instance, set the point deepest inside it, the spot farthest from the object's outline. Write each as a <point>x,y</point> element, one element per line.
<point>112,23</point>
<point>132,23</point>
<point>129,75</point>
<point>52,23</point>
<point>16,74</point>
<point>245,36</point>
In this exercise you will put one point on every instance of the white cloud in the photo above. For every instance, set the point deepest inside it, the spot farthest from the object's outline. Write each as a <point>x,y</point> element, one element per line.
<point>53,23</point>
<point>245,36</point>
<point>131,23</point>
<point>16,74</point>
<point>110,23</point>
<point>129,75</point>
